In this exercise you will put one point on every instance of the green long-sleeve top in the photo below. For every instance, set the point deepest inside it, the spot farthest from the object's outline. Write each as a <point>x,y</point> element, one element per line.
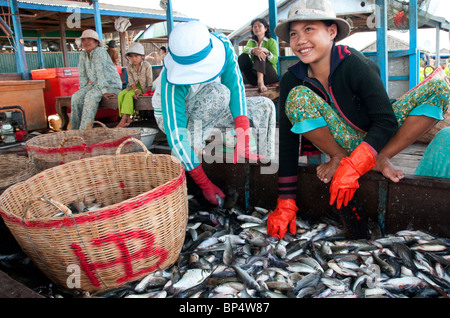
<point>270,44</point>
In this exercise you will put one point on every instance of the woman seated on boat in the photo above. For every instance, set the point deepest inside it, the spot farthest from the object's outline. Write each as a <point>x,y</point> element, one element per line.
<point>258,62</point>
<point>98,78</point>
<point>200,89</point>
<point>334,97</point>
<point>436,158</point>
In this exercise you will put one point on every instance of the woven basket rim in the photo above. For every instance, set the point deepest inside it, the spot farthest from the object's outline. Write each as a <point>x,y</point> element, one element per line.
<point>87,216</point>
<point>33,142</point>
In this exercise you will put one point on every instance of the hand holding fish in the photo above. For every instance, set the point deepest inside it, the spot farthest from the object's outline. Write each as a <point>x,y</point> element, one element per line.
<point>283,217</point>
<point>242,128</point>
<point>209,189</point>
<point>345,179</point>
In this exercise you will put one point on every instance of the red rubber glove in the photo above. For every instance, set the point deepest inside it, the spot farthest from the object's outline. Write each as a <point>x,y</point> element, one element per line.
<point>345,179</point>
<point>208,188</point>
<point>242,128</point>
<point>282,217</point>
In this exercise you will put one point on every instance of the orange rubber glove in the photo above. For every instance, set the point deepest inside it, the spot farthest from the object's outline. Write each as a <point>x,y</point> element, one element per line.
<point>242,128</point>
<point>345,179</point>
<point>282,217</point>
<point>209,189</point>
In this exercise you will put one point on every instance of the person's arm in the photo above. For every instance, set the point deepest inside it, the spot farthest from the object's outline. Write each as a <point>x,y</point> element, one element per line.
<point>289,144</point>
<point>251,44</point>
<point>102,64</point>
<point>231,77</point>
<point>82,75</point>
<point>131,81</point>
<point>273,51</point>
<point>148,75</point>
<point>283,217</point>
<point>371,91</point>
<point>173,110</point>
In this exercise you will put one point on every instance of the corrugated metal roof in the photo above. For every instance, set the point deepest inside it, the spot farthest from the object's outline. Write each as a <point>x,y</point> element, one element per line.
<point>57,5</point>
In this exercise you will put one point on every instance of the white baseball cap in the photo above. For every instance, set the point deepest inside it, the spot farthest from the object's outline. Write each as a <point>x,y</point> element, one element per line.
<point>312,10</point>
<point>195,56</point>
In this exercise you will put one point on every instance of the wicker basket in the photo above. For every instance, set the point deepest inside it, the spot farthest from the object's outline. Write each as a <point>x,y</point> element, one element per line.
<point>14,169</point>
<point>50,150</point>
<point>140,229</point>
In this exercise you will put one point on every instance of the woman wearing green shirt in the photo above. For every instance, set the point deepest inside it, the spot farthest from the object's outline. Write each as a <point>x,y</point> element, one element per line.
<point>258,62</point>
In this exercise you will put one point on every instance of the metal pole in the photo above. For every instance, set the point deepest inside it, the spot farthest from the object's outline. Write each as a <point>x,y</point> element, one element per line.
<point>97,19</point>
<point>382,50</point>
<point>40,53</point>
<point>169,17</point>
<point>19,49</point>
<point>273,17</point>
<point>414,55</point>
<point>438,45</point>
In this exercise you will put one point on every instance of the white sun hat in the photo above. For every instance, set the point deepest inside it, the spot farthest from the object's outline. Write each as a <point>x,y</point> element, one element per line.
<point>195,56</point>
<point>89,33</point>
<point>312,10</point>
<point>136,48</point>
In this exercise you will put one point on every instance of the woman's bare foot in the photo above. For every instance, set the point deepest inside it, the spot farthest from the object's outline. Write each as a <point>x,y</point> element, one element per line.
<point>325,171</point>
<point>262,88</point>
<point>385,166</point>
<point>124,122</point>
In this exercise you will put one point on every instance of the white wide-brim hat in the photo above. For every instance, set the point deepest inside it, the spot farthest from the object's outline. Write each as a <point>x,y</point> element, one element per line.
<point>312,10</point>
<point>195,56</point>
<point>89,34</point>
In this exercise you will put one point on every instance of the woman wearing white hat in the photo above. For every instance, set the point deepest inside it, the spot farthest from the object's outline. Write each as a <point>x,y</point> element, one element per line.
<point>98,78</point>
<point>201,84</point>
<point>335,98</point>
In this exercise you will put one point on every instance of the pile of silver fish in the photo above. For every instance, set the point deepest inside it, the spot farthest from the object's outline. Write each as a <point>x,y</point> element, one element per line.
<point>228,254</point>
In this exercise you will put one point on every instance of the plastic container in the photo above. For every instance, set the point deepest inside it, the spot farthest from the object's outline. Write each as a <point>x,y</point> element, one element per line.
<point>63,81</point>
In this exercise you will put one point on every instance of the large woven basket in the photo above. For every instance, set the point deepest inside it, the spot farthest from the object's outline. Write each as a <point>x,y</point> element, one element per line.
<point>15,168</point>
<point>57,148</point>
<point>140,229</point>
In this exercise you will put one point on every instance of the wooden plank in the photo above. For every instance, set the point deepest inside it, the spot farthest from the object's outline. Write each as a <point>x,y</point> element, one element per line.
<point>9,288</point>
<point>272,93</point>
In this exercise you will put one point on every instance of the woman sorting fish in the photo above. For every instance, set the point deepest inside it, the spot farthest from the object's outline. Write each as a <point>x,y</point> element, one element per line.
<point>200,89</point>
<point>334,97</point>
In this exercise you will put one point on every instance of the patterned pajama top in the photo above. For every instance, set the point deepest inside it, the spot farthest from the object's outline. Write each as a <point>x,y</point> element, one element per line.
<point>173,98</point>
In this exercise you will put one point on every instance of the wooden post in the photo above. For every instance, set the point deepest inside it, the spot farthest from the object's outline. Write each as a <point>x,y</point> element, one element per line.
<point>62,30</point>
<point>123,47</point>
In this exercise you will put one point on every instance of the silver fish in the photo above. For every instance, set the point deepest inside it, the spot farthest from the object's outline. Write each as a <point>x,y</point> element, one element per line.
<point>191,278</point>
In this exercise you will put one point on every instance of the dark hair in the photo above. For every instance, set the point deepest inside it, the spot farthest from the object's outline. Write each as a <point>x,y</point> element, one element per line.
<point>163,48</point>
<point>264,22</point>
<point>329,23</point>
